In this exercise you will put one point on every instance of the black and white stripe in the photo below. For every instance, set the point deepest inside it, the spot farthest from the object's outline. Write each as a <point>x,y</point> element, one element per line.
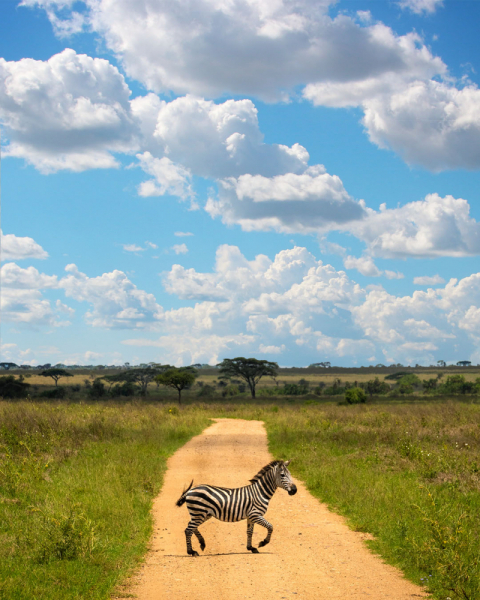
<point>249,502</point>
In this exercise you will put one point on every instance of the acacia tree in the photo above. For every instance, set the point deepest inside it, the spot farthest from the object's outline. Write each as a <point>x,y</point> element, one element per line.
<point>250,370</point>
<point>178,379</point>
<point>55,374</point>
<point>8,365</point>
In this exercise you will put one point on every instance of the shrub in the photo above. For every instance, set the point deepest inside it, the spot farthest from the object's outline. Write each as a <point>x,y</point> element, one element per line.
<point>355,395</point>
<point>125,389</point>
<point>206,390</point>
<point>230,390</point>
<point>456,384</point>
<point>405,388</point>
<point>10,387</point>
<point>57,393</point>
<point>294,389</point>
<point>377,387</point>
<point>410,379</point>
<point>334,391</point>
<point>97,389</point>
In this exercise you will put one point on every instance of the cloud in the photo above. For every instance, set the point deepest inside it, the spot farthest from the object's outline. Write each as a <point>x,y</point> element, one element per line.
<point>312,201</point>
<point>183,233</point>
<point>428,123</point>
<point>22,300</point>
<point>211,47</point>
<point>187,350</point>
<point>180,248</point>
<point>168,177</point>
<point>291,306</point>
<point>69,112</point>
<point>363,265</point>
<point>20,248</point>
<point>208,140</point>
<point>421,6</point>
<point>427,280</point>
<point>432,227</point>
<point>133,248</point>
<point>116,303</point>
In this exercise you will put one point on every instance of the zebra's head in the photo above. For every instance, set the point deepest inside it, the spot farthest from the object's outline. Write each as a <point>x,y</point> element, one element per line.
<point>284,479</point>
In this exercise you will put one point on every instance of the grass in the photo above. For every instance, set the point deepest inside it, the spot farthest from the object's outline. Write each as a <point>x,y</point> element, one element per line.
<point>76,485</point>
<point>408,474</point>
<point>77,481</point>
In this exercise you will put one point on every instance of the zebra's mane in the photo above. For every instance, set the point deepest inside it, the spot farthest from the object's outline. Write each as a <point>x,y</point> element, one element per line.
<point>261,473</point>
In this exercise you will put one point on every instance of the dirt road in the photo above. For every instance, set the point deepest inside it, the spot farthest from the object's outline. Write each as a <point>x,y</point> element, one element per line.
<point>312,556</point>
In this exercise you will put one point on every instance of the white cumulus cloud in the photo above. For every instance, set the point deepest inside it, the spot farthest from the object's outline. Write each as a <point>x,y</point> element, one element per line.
<point>69,112</point>
<point>312,201</point>
<point>14,247</point>
<point>212,47</point>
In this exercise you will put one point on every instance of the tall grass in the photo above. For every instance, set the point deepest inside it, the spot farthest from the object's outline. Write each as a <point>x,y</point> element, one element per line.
<point>76,485</point>
<point>409,475</point>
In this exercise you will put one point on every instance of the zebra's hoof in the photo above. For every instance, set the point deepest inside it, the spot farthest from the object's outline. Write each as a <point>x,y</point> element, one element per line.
<point>193,553</point>
<point>202,547</point>
<point>262,544</point>
<point>253,550</point>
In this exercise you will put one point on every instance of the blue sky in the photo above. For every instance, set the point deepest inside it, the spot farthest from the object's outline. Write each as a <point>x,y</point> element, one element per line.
<point>189,180</point>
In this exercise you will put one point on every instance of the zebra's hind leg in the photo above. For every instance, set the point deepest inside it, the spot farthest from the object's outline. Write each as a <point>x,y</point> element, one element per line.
<point>259,520</point>
<point>200,536</point>
<point>200,539</point>
<point>192,527</point>
<point>249,537</point>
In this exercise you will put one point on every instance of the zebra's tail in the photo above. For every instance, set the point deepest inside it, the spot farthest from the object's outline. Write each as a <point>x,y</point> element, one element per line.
<point>183,497</point>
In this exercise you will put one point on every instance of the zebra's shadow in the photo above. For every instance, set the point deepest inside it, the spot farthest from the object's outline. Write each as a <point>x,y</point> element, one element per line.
<point>216,554</point>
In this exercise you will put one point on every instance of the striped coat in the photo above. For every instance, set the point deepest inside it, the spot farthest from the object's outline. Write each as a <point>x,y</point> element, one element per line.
<point>249,502</point>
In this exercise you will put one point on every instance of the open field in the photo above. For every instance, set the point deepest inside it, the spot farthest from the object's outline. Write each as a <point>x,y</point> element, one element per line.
<point>77,481</point>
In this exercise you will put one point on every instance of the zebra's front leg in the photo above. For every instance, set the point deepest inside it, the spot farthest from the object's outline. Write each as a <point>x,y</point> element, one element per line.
<point>259,520</point>
<point>249,537</point>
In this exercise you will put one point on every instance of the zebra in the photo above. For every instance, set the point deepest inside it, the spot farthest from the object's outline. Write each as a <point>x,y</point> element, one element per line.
<point>249,502</point>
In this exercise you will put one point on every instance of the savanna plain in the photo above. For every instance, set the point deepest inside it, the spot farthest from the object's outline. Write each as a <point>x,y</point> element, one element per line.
<point>78,474</point>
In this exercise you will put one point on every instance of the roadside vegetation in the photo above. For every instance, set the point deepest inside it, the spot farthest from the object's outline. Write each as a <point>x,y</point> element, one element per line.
<point>76,485</point>
<point>78,474</point>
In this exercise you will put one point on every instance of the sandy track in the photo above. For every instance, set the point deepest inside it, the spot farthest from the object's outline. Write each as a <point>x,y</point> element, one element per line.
<point>313,555</point>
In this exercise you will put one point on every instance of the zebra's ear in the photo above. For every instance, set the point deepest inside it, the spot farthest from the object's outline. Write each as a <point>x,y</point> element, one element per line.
<point>287,462</point>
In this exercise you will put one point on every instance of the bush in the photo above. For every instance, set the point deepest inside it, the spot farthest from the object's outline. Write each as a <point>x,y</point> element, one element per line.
<point>377,387</point>
<point>206,390</point>
<point>125,389</point>
<point>13,388</point>
<point>231,390</point>
<point>405,388</point>
<point>318,390</point>
<point>57,393</point>
<point>456,384</point>
<point>355,395</point>
<point>410,379</point>
<point>334,391</point>
<point>294,389</point>
<point>97,389</point>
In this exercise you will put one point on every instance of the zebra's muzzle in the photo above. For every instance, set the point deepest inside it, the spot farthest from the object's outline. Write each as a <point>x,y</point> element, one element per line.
<point>293,490</point>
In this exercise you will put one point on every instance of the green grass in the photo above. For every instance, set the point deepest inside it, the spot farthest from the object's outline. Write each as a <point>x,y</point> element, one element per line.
<point>76,485</point>
<point>409,475</point>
